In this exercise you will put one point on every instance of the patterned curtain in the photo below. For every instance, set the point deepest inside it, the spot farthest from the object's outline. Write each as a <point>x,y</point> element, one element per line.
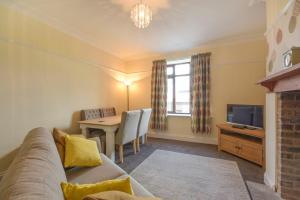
<point>200,85</point>
<point>159,95</point>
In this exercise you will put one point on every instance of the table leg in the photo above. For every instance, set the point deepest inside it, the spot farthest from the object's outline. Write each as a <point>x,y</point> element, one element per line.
<point>110,145</point>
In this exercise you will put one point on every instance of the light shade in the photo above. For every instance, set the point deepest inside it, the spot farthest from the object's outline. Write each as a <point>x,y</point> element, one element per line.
<point>127,82</point>
<point>141,15</point>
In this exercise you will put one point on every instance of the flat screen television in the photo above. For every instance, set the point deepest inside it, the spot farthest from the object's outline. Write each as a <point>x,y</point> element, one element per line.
<point>250,116</point>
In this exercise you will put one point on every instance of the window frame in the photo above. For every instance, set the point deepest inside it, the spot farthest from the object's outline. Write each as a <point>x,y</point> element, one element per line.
<point>173,77</point>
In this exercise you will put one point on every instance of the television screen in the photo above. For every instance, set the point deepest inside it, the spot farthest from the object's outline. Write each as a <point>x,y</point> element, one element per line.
<point>248,115</point>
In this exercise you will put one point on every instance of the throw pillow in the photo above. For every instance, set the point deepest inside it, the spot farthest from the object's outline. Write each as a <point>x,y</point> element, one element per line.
<point>77,192</point>
<point>81,152</point>
<point>115,195</point>
<point>59,139</point>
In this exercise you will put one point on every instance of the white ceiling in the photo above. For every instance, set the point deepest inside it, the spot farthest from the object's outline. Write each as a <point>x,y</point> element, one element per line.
<point>176,25</point>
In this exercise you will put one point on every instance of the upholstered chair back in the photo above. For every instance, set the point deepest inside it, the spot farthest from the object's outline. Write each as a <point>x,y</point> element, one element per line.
<point>108,112</point>
<point>144,122</point>
<point>128,127</point>
<point>90,114</point>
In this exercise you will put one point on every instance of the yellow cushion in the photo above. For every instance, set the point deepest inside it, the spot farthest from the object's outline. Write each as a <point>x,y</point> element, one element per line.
<point>77,192</point>
<point>115,195</point>
<point>81,152</point>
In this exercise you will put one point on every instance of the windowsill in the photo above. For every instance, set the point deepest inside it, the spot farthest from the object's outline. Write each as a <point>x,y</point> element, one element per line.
<point>178,115</point>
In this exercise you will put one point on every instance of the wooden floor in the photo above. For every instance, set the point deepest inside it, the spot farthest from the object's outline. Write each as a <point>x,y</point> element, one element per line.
<point>249,171</point>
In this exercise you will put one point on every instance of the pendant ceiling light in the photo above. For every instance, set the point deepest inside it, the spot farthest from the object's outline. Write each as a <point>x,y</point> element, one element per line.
<point>141,15</point>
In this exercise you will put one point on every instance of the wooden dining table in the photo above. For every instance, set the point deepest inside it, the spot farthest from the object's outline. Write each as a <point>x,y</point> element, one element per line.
<point>107,124</point>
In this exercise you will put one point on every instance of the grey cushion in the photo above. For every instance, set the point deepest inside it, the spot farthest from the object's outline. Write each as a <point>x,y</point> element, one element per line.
<point>36,172</point>
<point>137,188</point>
<point>108,170</point>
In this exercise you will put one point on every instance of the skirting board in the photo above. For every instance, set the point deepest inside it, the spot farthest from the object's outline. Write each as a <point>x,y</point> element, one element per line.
<point>268,182</point>
<point>184,139</point>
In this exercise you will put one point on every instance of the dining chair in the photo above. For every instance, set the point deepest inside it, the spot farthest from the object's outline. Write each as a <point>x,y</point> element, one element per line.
<point>127,131</point>
<point>108,112</point>
<point>143,126</point>
<point>90,114</point>
<point>94,114</point>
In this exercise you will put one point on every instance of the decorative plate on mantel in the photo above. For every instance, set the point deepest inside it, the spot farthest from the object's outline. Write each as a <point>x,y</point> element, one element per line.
<point>291,57</point>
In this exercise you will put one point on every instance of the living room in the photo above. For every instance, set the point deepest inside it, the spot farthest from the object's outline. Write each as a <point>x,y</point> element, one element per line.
<point>210,88</point>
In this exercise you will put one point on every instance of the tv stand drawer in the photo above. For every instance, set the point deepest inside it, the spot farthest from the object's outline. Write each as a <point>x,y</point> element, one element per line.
<point>230,144</point>
<point>242,145</point>
<point>251,151</point>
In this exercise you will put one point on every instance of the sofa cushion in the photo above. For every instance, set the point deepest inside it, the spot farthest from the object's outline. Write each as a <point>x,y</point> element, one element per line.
<point>115,195</point>
<point>59,139</point>
<point>137,188</point>
<point>97,140</point>
<point>81,152</point>
<point>36,172</point>
<point>108,170</point>
<point>59,136</point>
<point>79,191</point>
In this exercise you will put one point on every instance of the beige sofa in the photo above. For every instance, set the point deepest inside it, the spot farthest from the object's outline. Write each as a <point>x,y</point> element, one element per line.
<point>37,171</point>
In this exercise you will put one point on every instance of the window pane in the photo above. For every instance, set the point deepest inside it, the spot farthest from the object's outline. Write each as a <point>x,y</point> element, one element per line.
<point>170,95</point>
<point>182,94</point>
<point>182,69</point>
<point>170,71</point>
<point>174,62</point>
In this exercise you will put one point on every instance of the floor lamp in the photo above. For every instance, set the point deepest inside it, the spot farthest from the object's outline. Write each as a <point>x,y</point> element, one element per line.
<point>127,84</point>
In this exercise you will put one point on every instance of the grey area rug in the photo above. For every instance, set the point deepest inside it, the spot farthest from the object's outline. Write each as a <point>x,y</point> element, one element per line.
<point>261,192</point>
<point>177,176</point>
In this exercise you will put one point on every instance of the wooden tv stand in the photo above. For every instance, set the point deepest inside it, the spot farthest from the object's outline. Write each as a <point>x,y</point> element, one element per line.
<point>245,143</point>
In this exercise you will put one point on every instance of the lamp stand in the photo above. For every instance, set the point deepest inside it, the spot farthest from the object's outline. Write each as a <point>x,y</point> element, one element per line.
<point>127,86</point>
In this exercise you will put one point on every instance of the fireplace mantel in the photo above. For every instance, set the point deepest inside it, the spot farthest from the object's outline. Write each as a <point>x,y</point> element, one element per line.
<point>285,80</point>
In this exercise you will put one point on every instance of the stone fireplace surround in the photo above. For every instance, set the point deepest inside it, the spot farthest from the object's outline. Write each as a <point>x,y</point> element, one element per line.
<point>286,84</point>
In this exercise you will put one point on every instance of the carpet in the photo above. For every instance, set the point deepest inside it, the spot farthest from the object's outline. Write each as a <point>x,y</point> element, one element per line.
<point>177,176</point>
<point>261,192</point>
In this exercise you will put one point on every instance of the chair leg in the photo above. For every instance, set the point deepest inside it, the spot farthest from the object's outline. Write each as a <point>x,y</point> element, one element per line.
<point>138,144</point>
<point>121,153</point>
<point>103,147</point>
<point>134,146</point>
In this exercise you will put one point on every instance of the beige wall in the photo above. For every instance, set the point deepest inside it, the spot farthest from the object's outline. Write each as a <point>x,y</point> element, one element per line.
<point>273,8</point>
<point>236,67</point>
<point>47,77</point>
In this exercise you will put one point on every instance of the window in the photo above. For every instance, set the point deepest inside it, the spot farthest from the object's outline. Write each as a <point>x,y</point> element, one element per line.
<point>178,97</point>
